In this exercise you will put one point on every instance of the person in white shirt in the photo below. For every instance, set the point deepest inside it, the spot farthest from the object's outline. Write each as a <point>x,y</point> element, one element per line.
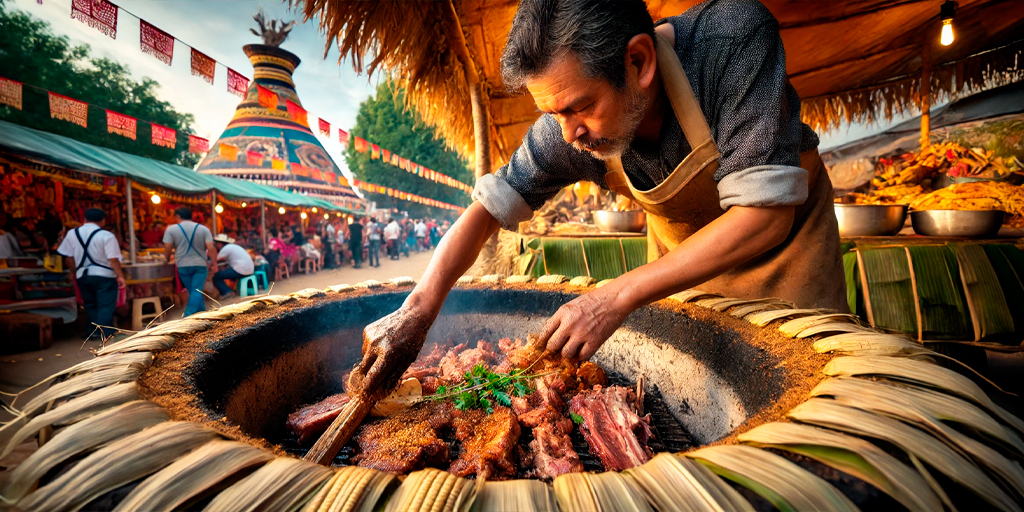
<point>421,234</point>
<point>94,260</point>
<point>239,264</point>
<point>391,234</point>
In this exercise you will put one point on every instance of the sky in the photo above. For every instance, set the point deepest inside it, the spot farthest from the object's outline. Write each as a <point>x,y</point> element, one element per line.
<point>220,28</point>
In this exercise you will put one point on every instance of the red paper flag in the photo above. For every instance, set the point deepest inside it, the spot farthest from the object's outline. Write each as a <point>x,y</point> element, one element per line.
<point>342,136</point>
<point>164,136</point>
<point>228,152</point>
<point>386,155</point>
<point>98,14</point>
<point>254,158</point>
<point>121,124</point>
<point>330,177</point>
<point>297,113</point>
<point>361,145</point>
<point>156,42</point>
<point>316,174</point>
<point>325,128</point>
<point>375,152</point>
<point>68,109</point>
<point>10,93</point>
<point>237,84</point>
<point>267,98</point>
<point>203,66</point>
<point>198,144</point>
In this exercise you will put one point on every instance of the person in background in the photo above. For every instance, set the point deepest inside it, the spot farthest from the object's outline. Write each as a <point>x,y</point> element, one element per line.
<point>240,264</point>
<point>192,246</point>
<point>435,233</point>
<point>152,237</point>
<point>392,232</point>
<point>9,246</point>
<point>330,239</point>
<point>94,261</point>
<point>373,233</point>
<point>355,242</point>
<point>421,235</point>
<point>407,239</point>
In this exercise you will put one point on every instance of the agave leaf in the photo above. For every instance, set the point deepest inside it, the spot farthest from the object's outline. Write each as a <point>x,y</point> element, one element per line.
<point>916,405</point>
<point>828,413</point>
<point>787,486</point>
<point>605,257</point>
<point>850,455</point>
<point>564,256</point>
<point>742,311</point>
<point>724,303</point>
<point>192,474</point>
<point>888,290</point>
<point>674,483</point>
<point>693,295</point>
<point>921,373</point>
<point>833,327</point>
<point>852,281</point>
<point>985,299</point>
<point>794,327</point>
<point>940,295</point>
<point>1001,256</point>
<point>871,344</point>
<point>766,317</point>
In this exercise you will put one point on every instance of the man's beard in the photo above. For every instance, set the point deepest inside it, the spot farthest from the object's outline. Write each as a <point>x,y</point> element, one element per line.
<point>633,114</point>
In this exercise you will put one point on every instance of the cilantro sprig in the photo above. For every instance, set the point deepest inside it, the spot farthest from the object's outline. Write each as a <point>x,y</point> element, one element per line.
<point>484,389</point>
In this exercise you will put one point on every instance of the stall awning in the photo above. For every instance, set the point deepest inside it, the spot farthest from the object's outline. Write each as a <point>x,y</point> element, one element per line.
<point>59,151</point>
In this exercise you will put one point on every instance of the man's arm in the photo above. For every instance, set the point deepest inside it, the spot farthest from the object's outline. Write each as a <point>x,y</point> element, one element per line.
<point>211,252</point>
<point>69,262</point>
<point>392,343</point>
<point>115,264</point>
<point>168,251</point>
<point>580,327</point>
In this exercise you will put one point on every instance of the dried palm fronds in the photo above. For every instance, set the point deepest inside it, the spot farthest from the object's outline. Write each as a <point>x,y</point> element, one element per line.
<point>432,489</point>
<point>917,405</point>
<point>692,295</point>
<point>724,303</point>
<point>674,483</point>
<point>871,344</point>
<point>136,359</point>
<point>742,311</point>
<point>850,455</point>
<point>116,464</point>
<point>784,484</point>
<point>793,328</point>
<point>69,412</point>
<point>574,493</point>
<point>613,491</point>
<point>281,484</point>
<point>519,495</point>
<point>766,317</point>
<point>920,373</point>
<point>369,284</point>
<point>402,281</point>
<point>81,437</point>
<point>917,444</point>
<point>308,293</point>
<point>139,344</point>
<point>552,279</point>
<point>841,327</point>
<point>192,474</point>
<point>351,488</point>
<point>80,384</point>
<point>340,288</point>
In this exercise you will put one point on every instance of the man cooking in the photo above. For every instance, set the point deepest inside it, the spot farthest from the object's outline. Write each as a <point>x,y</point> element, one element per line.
<point>695,121</point>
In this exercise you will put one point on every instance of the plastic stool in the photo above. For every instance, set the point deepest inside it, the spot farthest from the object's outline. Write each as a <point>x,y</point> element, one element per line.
<point>311,265</point>
<point>140,319</point>
<point>244,283</point>
<point>281,271</point>
<point>262,275</point>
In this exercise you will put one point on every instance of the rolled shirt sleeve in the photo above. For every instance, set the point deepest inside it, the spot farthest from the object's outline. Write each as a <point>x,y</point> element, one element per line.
<point>111,250</point>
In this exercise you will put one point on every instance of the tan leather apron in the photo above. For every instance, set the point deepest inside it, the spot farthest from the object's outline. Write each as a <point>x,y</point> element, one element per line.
<point>806,269</point>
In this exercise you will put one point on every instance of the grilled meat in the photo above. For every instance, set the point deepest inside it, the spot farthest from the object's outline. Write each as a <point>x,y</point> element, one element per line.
<point>612,428</point>
<point>311,421</point>
<point>552,451</point>
<point>488,444</point>
<point>406,441</point>
<point>460,360</point>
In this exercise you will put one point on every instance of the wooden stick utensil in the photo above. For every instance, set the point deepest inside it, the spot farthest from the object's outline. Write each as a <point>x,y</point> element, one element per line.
<point>340,431</point>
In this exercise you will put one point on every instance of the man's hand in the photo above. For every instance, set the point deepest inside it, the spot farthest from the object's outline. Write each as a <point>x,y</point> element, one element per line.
<point>581,326</point>
<point>390,345</point>
<point>121,283</point>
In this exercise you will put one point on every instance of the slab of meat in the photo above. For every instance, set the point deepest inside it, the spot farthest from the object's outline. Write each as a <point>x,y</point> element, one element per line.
<point>552,451</point>
<point>488,445</point>
<point>460,360</point>
<point>311,421</point>
<point>615,433</point>
<point>568,376</point>
<point>406,441</point>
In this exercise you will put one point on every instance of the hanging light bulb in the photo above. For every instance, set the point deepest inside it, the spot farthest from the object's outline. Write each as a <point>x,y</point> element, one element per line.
<point>218,208</point>
<point>303,215</point>
<point>314,209</point>
<point>327,216</point>
<point>338,214</point>
<point>946,13</point>
<point>281,210</point>
<point>351,220</point>
<point>244,204</point>
<point>155,198</point>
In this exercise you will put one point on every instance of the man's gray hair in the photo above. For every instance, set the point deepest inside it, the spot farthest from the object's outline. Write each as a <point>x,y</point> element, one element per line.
<point>595,31</point>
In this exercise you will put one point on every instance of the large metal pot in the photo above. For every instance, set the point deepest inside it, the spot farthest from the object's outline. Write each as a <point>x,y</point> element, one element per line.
<point>870,219</point>
<point>620,222</point>
<point>148,272</point>
<point>957,223</point>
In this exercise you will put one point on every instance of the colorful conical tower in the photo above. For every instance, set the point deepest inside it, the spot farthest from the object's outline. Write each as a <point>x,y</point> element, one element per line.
<point>270,142</point>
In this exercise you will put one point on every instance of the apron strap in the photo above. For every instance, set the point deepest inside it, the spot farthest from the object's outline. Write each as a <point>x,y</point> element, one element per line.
<point>87,258</point>
<point>189,239</point>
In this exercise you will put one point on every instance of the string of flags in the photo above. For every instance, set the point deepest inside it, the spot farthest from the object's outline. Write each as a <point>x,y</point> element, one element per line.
<point>405,196</point>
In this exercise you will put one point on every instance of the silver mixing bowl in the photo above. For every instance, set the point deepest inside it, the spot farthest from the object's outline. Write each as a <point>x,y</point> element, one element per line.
<point>957,223</point>
<point>870,219</point>
<point>620,222</point>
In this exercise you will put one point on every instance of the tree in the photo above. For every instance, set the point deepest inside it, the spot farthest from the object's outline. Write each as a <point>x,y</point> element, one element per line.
<point>384,121</point>
<point>31,53</point>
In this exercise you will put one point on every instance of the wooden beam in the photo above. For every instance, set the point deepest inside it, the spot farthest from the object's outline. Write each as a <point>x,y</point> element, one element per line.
<point>926,91</point>
<point>478,102</point>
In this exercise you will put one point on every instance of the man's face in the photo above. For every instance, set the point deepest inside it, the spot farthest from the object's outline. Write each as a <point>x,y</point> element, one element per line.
<point>596,117</point>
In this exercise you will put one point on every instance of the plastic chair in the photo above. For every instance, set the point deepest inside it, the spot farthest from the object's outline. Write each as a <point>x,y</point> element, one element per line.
<point>139,318</point>
<point>244,284</point>
<point>311,265</point>
<point>281,271</point>
<point>262,275</point>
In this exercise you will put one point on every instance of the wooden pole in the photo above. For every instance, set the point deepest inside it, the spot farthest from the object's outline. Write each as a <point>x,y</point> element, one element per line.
<point>131,222</point>
<point>481,114</point>
<point>926,92</point>
<point>263,222</point>
<point>213,211</point>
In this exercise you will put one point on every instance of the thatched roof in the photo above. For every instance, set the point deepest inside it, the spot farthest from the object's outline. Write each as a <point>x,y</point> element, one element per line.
<point>848,60</point>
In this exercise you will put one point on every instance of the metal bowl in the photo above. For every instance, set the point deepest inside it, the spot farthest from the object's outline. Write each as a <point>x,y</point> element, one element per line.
<point>870,219</point>
<point>957,223</point>
<point>620,222</point>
